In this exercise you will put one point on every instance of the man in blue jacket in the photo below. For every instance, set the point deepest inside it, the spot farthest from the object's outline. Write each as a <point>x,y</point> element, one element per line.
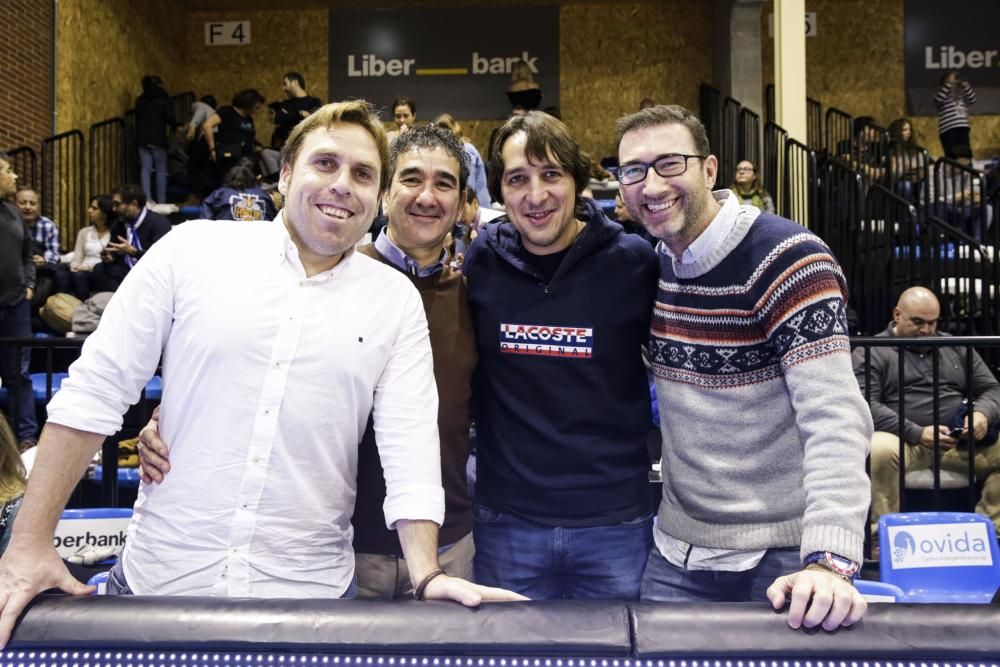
<point>561,300</point>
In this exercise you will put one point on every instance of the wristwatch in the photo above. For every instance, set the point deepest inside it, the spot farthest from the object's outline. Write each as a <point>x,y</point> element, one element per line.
<point>844,568</point>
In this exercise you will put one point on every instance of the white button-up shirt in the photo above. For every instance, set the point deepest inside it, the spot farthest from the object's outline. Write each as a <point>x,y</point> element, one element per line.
<point>269,378</point>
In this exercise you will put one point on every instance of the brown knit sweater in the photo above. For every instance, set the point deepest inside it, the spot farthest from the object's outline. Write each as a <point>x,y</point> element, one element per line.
<point>447,306</point>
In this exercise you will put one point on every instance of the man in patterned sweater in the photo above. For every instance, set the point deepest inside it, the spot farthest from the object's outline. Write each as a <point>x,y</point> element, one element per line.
<point>764,430</point>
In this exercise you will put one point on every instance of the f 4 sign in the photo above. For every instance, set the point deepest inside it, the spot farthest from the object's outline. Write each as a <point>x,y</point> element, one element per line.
<point>227,33</point>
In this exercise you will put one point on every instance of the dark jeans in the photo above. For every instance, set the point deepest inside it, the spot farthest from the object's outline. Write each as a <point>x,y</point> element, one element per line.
<point>15,322</point>
<point>546,562</point>
<point>957,136</point>
<point>663,582</point>
<point>76,283</point>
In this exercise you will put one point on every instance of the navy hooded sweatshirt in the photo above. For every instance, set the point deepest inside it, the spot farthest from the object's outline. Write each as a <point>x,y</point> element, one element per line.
<point>562,401</point>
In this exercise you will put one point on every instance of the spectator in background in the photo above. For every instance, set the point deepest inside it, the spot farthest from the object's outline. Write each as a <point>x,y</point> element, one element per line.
<point>477,170</point>
<point>135,231</point>
<point>916,315</point>
<point>154,118</point>
<point>201,111</point>
<point>90,243</point>
<point>866,152</point>
<point>523,91</point>
<point>404,112</point>
<point>17,286</point>
<point>236,135</point>
<point>12,481</point>
<point>958,194</point>
<point>201,169</point>
<point>953,100</point>
<point>624,218</point>
<point>298,104</point>
<point>646,103</point>
<point>748,188</point>
<point>240,197</point>
<point>45,248</point>
<point>907,160</point>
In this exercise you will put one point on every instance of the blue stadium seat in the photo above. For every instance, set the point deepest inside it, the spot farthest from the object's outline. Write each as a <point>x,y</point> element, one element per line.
<point>154,388</point>
<point>878,591</point>
<point>127,477</point>
<point>38,382</point>
<point>940,556</point>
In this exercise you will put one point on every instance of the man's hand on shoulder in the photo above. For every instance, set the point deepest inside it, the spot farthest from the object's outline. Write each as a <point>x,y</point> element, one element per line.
<point>26,571</point>
<point>817,597</point>
<point>469,594</point>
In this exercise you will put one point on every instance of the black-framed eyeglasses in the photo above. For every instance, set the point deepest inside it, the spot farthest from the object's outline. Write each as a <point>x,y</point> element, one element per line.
<point>666,165</point>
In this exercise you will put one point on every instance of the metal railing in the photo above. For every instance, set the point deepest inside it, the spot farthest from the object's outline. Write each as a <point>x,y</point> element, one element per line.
<point>107,156</point>
<point>842,207</point>
<point>748,146</point>
<point>772,167</point>
<point>182,106</point>
<point>814,124</point>
<point>25,163</point>
<point>63,190</point>
<point>959,197</point>
<point>838,132</point>
<point>800,185</point>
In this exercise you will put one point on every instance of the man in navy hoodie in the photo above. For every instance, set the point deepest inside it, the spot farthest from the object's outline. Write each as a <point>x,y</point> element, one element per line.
<point>561,300</point>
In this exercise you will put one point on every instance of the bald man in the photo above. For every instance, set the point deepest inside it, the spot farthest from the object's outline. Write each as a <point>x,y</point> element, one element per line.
<point>916,315</point>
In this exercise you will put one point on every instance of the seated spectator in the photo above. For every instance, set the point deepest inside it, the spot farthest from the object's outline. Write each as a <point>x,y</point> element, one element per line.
<point>132,234</point>
<point>625,219</point>
<point>748,188</point>
<point>45,254</point>
<point>958,195</point>
<point>907,160</point>
<point>477,170</point>
<point>866,153</point>
<point>90,243</point>
<point>12,481</point>
<point>916,315</point>
<point>523,91</point>
<point>404,112</point>
<point>646,103</point>
<point>236,136</point>
<point>240,197</point>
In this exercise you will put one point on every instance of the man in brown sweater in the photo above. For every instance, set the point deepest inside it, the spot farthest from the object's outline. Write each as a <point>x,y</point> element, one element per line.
<point>425,197</point>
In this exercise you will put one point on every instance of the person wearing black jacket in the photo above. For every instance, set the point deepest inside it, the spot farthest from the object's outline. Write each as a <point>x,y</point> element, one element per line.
<point>561,300</point>
<point>17,285</point>
<point>154,118</point>
<point>132,234</point>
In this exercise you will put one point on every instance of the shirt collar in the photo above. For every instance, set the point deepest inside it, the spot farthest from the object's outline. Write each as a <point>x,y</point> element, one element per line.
<point>138,221</point>
<point>395,255</point>
<point>716,232</point>
<point>287,251</point>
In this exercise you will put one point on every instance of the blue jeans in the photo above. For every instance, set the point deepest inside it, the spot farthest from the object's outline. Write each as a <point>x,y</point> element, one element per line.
<point>15,322</point>
<point>663,582</point>
<point>545,562</point>
<point>147,156</point>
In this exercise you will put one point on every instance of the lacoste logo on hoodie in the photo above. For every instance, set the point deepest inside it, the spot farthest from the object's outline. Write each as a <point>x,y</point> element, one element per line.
<point>547,340</point>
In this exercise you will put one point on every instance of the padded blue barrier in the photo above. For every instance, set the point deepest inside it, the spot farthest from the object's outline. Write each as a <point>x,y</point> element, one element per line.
<point>947,557</point>
<point>127,477</point>
<point>879,591</point>
<point>38,382</point>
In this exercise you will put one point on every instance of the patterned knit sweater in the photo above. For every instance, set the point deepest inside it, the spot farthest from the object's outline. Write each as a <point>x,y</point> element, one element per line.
<point>765,432</point>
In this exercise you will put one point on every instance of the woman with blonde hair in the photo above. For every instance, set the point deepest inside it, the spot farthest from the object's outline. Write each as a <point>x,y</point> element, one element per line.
<point>477,170</point>
<point>12,481</point>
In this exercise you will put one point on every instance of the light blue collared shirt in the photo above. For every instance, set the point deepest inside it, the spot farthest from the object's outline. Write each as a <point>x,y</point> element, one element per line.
<point>404,262</point>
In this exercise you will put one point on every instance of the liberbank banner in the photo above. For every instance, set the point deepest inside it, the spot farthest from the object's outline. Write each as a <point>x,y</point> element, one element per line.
<point>454,60</point>
<point>941,36</point>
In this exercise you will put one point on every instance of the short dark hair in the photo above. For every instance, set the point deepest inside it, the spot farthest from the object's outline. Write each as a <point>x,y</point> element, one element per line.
<point>861,122</point>
<point>664,114</point>
<point>106,205</point>
<point>151,81</point>
<point>247,98</point>
<point>404,102</point>
<point>546,134</point>
<point>209,100</point>
<point>470,194</point>
<point>4,157</point>
<point>133,193</point>
<point>297,78</point>
<point>430,137</point>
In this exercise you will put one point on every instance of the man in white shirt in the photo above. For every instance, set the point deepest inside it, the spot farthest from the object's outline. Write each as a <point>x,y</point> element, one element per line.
<point>258,343</point>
